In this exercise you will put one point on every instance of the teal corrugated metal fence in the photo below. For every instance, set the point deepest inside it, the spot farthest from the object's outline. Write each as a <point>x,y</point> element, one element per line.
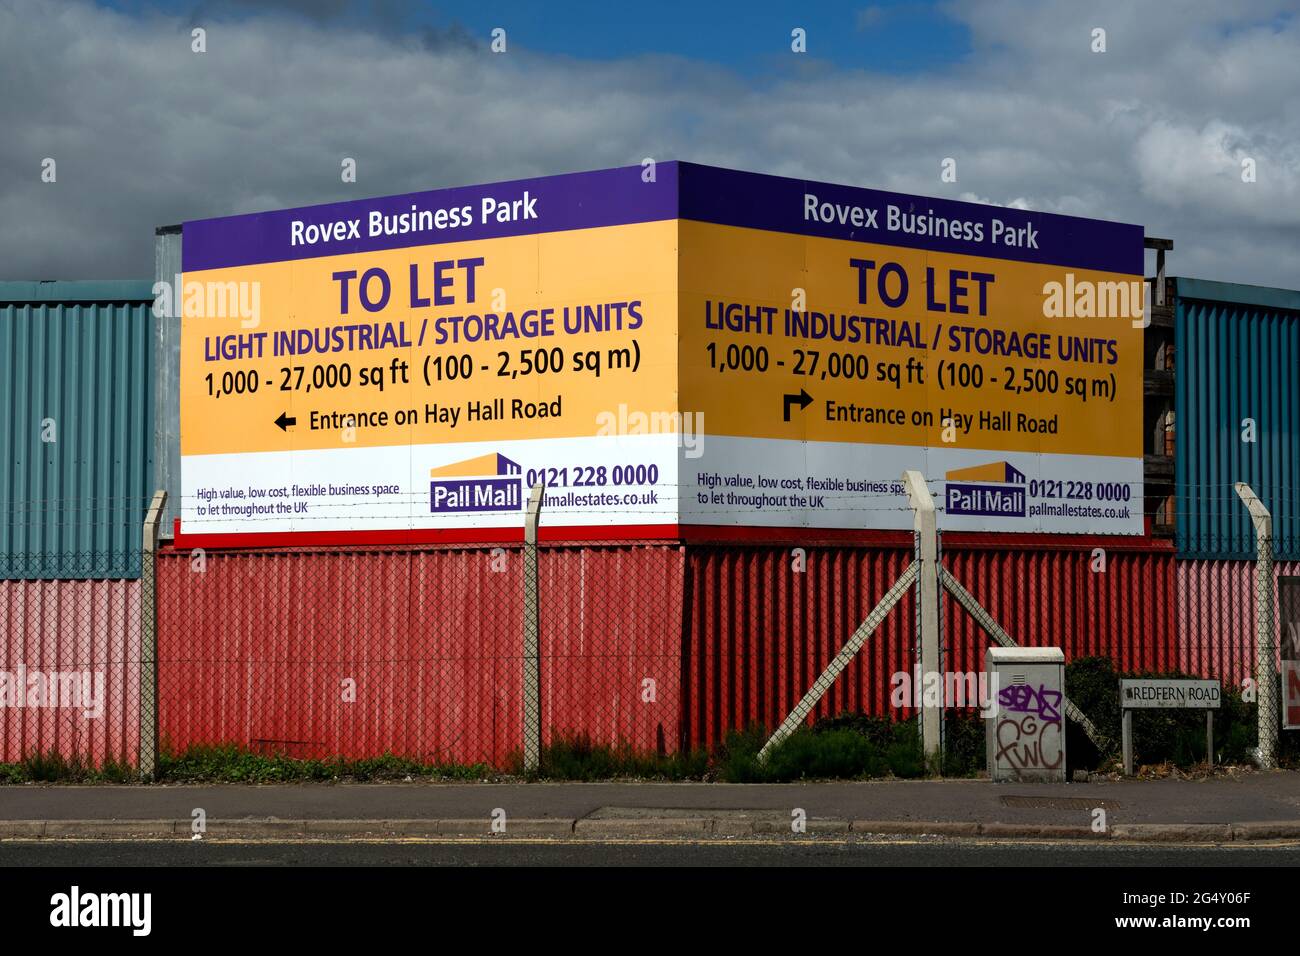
<point>1237,354</point>
<point>76,425</point>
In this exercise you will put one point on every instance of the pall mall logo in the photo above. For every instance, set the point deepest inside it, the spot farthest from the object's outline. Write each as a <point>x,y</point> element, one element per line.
<point>992,490</point>
<point>487,483</point>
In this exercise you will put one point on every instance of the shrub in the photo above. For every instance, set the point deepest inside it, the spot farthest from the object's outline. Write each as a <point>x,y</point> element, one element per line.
<point>576,757</point>
<point>879,730</point>
<point>737,757</point>
<point>846,747</point>
<point>812,754</point>
<point>904,755</point>
<point>1159,736</point>
<point>1092,684</point>
<point>964,750</point>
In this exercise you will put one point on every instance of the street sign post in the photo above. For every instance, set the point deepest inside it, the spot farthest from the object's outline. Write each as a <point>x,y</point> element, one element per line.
<point>1144,694</point>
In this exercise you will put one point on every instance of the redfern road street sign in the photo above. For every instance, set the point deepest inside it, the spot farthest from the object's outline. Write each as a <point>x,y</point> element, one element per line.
<point>1196,694</point>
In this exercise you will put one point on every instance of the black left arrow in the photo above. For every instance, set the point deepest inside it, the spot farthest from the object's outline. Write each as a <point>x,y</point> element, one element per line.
<point>803,400</point>
<point>284,421</point>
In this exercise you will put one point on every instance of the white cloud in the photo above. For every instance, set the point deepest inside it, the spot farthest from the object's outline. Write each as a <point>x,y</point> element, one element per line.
<point>1205,167</point>
<point>146,132</point>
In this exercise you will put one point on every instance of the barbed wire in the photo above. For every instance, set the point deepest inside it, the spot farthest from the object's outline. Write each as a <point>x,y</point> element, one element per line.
<point>101,501</point>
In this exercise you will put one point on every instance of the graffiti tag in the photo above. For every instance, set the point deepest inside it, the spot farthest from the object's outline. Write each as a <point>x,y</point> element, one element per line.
<point>1025,699</point>
<point>1028,743</point>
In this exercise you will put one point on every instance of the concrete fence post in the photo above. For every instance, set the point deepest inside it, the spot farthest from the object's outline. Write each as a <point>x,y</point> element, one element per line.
<point>1266,680</point>
<point>928,612</point>
<point>149,639</point>
<point>532,663</point>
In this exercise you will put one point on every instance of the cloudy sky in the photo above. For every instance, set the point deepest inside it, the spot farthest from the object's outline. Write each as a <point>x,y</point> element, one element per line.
<point>146,132</point>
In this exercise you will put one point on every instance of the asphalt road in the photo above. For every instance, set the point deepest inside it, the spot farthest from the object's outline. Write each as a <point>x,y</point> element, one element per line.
<point>821,853</point>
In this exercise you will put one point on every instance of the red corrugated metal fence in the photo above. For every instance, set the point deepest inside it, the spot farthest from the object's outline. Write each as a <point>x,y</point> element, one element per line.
<point>610,644</point>
<point>1056,598</point>
<point>759,632</point>
<point>1216,617</point>
<point>59,630</point>
<point>418,653</point>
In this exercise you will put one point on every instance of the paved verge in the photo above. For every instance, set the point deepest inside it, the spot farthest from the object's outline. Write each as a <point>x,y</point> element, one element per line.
<point>1254,807</point>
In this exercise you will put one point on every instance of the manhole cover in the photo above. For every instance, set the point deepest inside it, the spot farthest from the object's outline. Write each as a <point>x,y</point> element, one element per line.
<point>1057,803</point>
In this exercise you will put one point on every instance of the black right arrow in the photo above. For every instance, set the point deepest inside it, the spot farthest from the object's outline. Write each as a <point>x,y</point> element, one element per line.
<point>284,421</point>
<point>803,400</point>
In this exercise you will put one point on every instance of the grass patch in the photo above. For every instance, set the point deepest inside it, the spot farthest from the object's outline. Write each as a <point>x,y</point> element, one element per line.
<point>849,747</point>
<point>55,768</point>
<point>846,747</point>
<point>234,764</point>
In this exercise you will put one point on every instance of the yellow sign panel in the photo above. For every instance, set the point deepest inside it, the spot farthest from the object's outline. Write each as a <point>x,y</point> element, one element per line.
<point>531,337</point>
<point>893,346</point>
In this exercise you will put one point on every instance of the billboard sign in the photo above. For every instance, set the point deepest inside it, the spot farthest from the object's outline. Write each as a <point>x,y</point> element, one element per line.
<point>679,347</point>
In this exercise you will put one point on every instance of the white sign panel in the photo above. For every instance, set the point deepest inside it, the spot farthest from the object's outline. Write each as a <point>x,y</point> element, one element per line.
<point>1169,694</point>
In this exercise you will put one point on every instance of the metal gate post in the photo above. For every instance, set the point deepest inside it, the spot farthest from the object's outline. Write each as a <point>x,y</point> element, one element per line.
<point>1265,664</point>
<point>1126,740</point>
<point>532,664</point>
<point>928,611</point>
<point>149,639</point>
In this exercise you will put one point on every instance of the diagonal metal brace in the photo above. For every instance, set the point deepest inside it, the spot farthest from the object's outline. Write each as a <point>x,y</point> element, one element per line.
<point>846,654</point>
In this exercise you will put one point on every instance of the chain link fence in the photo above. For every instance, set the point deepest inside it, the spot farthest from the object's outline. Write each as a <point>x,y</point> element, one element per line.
<point>657,648</point>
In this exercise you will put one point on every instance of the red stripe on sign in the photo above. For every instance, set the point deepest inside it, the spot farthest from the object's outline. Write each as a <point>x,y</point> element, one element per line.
<point>691,534</point>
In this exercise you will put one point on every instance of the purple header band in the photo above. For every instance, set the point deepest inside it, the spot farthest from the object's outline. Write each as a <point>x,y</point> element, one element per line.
<point>613,197</point>
<point>775,203</point>
<point>608,197</point>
